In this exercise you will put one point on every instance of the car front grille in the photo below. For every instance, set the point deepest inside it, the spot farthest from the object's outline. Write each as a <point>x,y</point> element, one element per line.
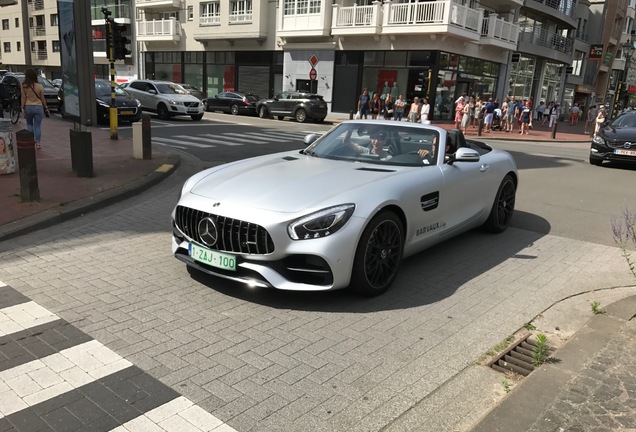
<point>234,235</point>
<point>191,104</point>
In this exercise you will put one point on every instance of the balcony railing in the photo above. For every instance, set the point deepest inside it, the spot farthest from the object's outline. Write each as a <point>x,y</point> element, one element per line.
<point>546,39</point>
<point>241,18</point>
<point>121,10</point>
<point>351,16</point>
<point>38,31</point>
<point>36,5</point>
<point>164,27</point>
<point>434,12</point>
<point>40,54</point>
<point>566,7</point>
<point>499,28</point>
<point>209,20</point>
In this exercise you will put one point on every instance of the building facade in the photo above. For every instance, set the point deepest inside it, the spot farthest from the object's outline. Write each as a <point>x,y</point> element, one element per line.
<point>437,49</point>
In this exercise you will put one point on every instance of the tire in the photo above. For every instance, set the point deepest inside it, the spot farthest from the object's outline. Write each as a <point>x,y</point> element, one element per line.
<point>163,112</point>
<point>263,112</point>
<point>595,161</point>
<point>503,207</point>
<point>14,111</point>
<point>378,255</point>
<point>301,115</point>
<point>234,109</point>
<point>197,117</point>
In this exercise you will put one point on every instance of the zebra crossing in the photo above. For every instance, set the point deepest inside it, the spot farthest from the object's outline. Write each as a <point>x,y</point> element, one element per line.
<point>54,377</point>
<point>231,139</point>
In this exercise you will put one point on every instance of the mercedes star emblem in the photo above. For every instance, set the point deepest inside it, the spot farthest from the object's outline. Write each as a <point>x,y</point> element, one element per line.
<point>207,231</point>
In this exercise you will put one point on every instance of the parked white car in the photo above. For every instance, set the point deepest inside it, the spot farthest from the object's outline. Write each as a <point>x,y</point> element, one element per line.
<point>165,98</point>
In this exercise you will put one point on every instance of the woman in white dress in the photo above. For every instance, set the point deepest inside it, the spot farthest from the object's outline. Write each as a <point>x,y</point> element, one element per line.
<point>426,109</point>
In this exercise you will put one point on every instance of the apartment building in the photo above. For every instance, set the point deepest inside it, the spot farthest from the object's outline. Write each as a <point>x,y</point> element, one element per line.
<point>438,49</point>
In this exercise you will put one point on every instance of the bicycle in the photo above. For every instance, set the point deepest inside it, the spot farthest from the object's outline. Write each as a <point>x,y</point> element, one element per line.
<point>11,103</point>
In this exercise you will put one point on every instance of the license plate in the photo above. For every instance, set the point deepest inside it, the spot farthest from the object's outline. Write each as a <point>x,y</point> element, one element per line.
<point>193,111</point>
<point>212,258</point>
<point>127,112</point>
<point>625,152</point>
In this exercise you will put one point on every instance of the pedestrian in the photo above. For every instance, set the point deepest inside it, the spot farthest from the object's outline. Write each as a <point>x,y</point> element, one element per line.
<point>414,111</point>
<point>425,111</point>
<point>459,112</point>
<point>504,114</point>
<point>33,104</point>
<point>554,115</point>
<point>471,111</point>
<point>387,107</point>
<point>524,118</point>
<point>600,119</point>
<point>363,104</point>
<point>590,118</point>
<point>376,106</point>
<point>465,118</point>
<point>540,112</point>
<point>478,108</point>
<point>574,115</point>
<point>399,108</point>
<point>489,111</point>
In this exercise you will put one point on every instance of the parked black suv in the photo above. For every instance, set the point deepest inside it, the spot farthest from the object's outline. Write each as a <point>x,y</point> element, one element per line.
<point>299,105</point>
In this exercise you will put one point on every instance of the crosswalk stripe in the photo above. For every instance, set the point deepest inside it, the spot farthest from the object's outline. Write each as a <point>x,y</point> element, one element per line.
<point>286,135</point>
<point>249,136</point>
<point>241,141</point>
<point>180,142</point>
<point>179,414</point>
<point>209,140</point>
<point>23,316</point>
<point>38,380</point>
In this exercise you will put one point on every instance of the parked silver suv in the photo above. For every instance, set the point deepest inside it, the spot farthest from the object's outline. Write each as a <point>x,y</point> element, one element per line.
<point>165,98</point>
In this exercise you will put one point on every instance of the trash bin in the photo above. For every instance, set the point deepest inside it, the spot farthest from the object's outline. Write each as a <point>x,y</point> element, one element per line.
<point>7,149</point>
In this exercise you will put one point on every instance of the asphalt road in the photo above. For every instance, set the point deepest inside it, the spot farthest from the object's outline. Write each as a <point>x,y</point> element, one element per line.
<point>264,360</point>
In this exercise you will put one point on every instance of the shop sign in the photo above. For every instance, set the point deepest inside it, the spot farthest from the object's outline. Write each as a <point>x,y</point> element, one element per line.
<point>608,57</point>
<point>584,89</point>
<point>631,88</point>
<point>596,52</point>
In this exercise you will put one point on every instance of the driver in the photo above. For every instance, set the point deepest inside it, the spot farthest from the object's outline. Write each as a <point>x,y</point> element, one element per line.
<point>376,146</point>
<point>428,157</point>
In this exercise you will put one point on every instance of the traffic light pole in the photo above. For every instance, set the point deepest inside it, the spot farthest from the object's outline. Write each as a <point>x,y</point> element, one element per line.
<point>111,57</point>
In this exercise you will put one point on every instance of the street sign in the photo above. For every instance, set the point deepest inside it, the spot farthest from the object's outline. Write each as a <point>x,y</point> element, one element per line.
<point>313,74</point>
<point>313,60</point>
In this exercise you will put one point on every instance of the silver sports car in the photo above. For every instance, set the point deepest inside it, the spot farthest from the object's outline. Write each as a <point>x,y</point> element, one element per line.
<point>344,211</point>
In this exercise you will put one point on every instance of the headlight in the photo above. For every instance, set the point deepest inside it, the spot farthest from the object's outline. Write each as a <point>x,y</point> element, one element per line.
<point>102,103</point>
<point>321,223</point>
<point>174,102</point>
<point>598,140</point>
<point>138,103</point>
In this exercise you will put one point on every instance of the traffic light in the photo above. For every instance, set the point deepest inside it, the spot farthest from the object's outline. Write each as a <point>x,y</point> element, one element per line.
<point>119,42</point>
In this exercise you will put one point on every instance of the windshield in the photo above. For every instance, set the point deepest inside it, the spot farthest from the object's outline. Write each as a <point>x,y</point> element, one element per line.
<point>102,89</point>
<point>625,120</point>
<point>378,143</point>
<point>170,88</point>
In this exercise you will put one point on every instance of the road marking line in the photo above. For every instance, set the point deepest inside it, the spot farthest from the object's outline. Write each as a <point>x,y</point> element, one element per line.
<point>250,134</point>
<point>23,316</point>
<point>230,143</point>
<point>210,140</point>
<point>179,414</point>
<point>39,380</point>
<point>180,142</point>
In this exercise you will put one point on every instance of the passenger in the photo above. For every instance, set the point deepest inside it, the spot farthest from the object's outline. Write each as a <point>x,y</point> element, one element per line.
<point>377,145</point>
<point>430,157</point>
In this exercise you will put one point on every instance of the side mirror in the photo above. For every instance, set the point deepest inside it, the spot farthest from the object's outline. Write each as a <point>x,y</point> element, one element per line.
<point>464,154</point>
<point>310,138</point>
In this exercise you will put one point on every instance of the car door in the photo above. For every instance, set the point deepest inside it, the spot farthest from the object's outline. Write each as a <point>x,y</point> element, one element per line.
<point>277,105</point>
<point>138,90</point>
<point>291,102</point>
<point>217,102</point>
<point>467,186</point>
<point>233,99</point>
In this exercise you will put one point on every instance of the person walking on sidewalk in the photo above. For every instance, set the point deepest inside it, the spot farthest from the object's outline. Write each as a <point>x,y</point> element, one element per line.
<point>590,118</point>
<point>399,108</point>
<point>363,103</point>
<point>554,115</point>
<point>524,117</point>
<point>33,104</point>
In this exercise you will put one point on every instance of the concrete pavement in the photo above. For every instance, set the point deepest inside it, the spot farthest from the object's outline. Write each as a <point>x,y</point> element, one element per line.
<point>552,397</point>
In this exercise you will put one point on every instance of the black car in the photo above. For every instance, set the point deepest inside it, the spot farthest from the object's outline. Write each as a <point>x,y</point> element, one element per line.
<point>233,102</point>
<point>14,79</point>
<point>615,141</point>
<point>299,105</point>
<point>128,108</point>
<point>194,92</point>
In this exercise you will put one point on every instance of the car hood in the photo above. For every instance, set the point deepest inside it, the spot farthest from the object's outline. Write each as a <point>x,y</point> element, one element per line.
<point>180,97</point>
<point>289,182</point>
<point>120,100</point>
<point>619,134</point>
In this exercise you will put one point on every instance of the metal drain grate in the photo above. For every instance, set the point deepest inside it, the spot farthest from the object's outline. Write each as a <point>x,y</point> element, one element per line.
<point>517,358</point>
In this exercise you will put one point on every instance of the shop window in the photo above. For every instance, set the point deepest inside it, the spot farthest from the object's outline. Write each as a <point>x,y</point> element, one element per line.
<point>374,58</point>
<point>395,58</point>
<point>419,58</point>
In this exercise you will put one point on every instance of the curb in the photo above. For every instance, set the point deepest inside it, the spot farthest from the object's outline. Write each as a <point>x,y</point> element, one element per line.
<point>82,206</point>
<point>522,407</point>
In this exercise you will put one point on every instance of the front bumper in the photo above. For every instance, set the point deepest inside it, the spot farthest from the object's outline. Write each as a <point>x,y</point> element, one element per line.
<point>184,110</point>
<point>605,153</point>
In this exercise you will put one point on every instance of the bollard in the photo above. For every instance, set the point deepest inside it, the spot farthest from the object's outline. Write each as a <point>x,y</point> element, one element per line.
<point>480,126</point>
<point>350,115</point>
<point>554,129</point>
<point>7,153</point>
<point>29,190</point>
<point>81,153</point>
<point>142,139</point>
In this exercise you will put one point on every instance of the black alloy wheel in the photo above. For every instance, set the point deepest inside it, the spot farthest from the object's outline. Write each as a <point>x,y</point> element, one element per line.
<point>262,112</point>
<point>503,207</point>
<point>378,255</point>
<point>234,109</point>
<point>301,115</point>
<point>163,112</point>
